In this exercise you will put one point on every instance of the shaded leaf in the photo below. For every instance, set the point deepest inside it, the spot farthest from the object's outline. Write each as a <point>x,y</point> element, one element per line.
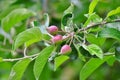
<point>92,6</point>
<point>60,60</point>
<point>84,51</point>
<point>15,17</point>
<point>18,69</point>
<point>29,36</point>
<point>41,60</point>
<point>115,25</point>
<point>113,12</point>
<point>117,53</point>
<point>91,66</point>
<point>77,46</point>
<point>109,33</point>
<point>46,73</point>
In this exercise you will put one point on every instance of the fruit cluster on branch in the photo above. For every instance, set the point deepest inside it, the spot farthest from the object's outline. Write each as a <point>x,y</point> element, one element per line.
<point>58,38</point>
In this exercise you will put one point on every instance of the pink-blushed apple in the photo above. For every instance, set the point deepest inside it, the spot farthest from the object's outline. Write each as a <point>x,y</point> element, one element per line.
<point>52,29</point>
<point>66,49</point>
<point>57,39</point>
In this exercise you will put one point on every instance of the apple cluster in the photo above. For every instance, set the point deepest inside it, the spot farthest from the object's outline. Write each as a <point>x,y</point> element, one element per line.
<point>57,38</point>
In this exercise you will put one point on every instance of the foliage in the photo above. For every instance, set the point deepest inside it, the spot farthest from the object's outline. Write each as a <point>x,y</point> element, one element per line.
<point>27,48</point>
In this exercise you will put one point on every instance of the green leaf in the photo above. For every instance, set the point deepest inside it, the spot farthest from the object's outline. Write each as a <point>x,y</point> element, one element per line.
<point>1,59</point>
<point>46,37</point>
<point>18,69</point>
<point>15,17</point>
<point>93,18</point>
<point>111,61</point>
<point>83,50</point>
<point>8,10</point>
<point>69,9</point>
<point>91,66</point>
<point>77,46</point>
<point>117,53</point>
<point>109,33</point>
<point>92,6</point>
<point>67,16</point>
<point>91,38</point>
<point>46,73</point>
<point>115,25</point>
<point>29,37</point>
<point>95,50</point>
<point>41,60</point>
<point>113,12</point>
<point>60,60</point>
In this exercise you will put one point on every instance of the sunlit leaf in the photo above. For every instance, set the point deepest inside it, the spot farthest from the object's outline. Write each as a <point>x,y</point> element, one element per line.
<point>41,60</point>
<point>91,66</point>
<point>113,12</point>
<point>60,60</point>
<point>95,50</point>
<point>111,61</point>
<point>8,10</point>
<point>18,69</point>
<point>15,17</point>
<point>95,40</point>
<point>92,6</point>
<point>67,16</point>
<point>1,59</point>
<point>29,36</point>
<point>92,18</point>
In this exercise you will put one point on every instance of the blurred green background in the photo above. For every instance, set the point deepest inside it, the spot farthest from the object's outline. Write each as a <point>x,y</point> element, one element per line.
<point>55,8</point>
